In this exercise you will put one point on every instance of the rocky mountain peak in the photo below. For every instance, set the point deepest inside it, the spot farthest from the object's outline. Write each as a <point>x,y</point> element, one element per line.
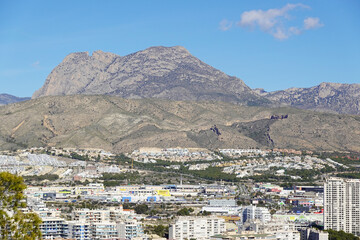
<point>156,72</point>
<point>76,56</point>
<point>330,85</point>
<point>173,73</point>
<point>170,55</point>
<point>105,57</point>
<point>174,49</point>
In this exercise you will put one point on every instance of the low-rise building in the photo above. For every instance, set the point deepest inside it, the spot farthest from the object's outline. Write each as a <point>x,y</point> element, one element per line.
<point>223,206</point>
<point>52,228</point>
<point>313,234</point>
<point>104,231</point>
<point>196,227</point>
<point>129,229</point>
<point>79,230</point>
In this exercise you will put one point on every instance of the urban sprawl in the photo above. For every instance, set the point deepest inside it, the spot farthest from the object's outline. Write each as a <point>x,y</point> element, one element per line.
<point>184,193</point>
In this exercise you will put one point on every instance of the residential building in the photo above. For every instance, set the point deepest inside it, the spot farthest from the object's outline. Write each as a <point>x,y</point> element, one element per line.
<point>313,234</point>
<point>52,228</point>
<point>79,230</point>
<point>284,235</point>
<point>129,229</point>
<point>222,206</point>
<point>91,216</point>
<point>196,227</point>
<point>253,212</point>
<point>342,205</point>
<point>287,235</point>
<point>104,231</point>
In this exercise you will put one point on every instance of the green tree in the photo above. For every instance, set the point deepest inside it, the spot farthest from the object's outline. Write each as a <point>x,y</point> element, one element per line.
<point>14,224</point>
<point>141,208</point>
<point>205,213</point>
<point>160,230</point>
<point>185,211</point>
<point>341,235</point>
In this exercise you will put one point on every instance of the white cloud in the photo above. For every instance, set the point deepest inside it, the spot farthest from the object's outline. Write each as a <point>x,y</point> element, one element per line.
<point>225,25</point>
<point>273,21</point>
<point>280,34</point>
<point>266,20</point>
<point>312,23</point>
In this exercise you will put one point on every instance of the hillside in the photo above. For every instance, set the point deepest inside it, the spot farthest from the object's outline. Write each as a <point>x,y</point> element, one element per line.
<point>118,125</point>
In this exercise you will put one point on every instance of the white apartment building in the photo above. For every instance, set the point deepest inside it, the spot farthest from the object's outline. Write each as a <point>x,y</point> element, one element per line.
<point>91,216</point>
<point>53,228</point>
<point>97,224</point>
<point>252,213</point>
<point>112,214</point>
<point>79,230</point>
<point>222,206</point>
<point>342,205</point>
<point>104,231</point>
<point>129,229</point>
<point>196,227</point>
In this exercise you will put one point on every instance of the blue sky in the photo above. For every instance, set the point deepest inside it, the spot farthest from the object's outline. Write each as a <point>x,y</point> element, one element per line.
<point>269,44</point>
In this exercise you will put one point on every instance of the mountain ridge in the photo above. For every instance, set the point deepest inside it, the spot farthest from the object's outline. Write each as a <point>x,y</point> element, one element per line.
<point>8,99</point>
<point>332,97</point>
<point>173,73</point>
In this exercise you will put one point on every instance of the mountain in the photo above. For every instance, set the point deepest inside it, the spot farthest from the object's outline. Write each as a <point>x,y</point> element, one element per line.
<point>122,125</point>
<point>157,72</point>
<point>7,99</point>
<point>327,97</point>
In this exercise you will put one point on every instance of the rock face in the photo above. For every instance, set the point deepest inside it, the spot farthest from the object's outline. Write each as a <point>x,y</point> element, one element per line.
<point>329,97</point>
<point>122,125</point>
<point>157,72</point>
<point>7,99</point>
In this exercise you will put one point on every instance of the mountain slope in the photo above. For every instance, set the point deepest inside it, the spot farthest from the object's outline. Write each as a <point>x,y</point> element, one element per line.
<point>157,72</point>
<point>7,99</point>
<point>118,124</point>
<point>331,97</point>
